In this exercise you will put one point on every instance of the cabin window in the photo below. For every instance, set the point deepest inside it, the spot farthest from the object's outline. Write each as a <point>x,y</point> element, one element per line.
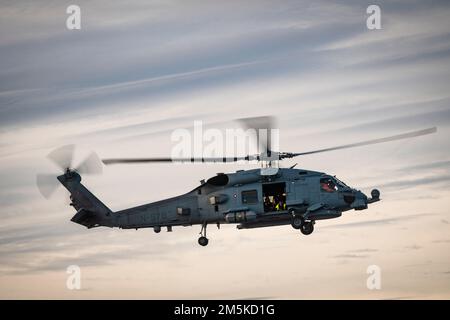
<point>250,197</point>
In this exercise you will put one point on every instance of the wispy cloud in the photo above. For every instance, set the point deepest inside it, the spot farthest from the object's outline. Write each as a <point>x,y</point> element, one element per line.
<point>384,221</point>
<point>138,70</point>
<point>437,181</point>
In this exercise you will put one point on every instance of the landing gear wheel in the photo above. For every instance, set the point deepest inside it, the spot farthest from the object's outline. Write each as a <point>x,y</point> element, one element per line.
<point>307,228</point>
<point>297,222</point>
<point>203,241</point>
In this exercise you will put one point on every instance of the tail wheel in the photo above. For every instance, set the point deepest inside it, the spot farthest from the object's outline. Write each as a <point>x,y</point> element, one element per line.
<point>307,228</point>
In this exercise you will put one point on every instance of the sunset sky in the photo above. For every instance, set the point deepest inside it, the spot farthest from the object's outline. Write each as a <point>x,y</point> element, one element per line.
<point>138,70</point>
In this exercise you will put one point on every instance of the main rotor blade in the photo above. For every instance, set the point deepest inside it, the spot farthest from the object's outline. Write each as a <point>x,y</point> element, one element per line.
<point>90,165</point>
<point>62,156</point>
<point>47,184</point>
<point>155,160</point>
<point>267,123</point>
<point>364,143</point>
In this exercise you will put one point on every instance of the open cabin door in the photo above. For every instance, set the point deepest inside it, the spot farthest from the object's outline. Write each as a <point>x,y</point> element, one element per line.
<point>274,196</point>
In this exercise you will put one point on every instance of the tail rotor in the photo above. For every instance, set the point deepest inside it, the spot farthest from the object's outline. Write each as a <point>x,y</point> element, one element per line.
<point>63,158</point>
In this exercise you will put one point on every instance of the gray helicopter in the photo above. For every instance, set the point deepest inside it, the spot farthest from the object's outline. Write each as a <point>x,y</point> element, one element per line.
<point>255,198</point>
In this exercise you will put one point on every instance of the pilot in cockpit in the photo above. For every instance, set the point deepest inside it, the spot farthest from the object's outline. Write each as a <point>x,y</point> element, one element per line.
<point>327,185</point>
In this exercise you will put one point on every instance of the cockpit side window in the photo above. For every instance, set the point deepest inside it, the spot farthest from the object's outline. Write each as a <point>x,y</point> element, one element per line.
<point>327,185</point>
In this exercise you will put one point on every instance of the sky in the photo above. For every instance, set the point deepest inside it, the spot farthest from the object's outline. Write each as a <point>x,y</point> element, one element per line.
<point>139,70</point>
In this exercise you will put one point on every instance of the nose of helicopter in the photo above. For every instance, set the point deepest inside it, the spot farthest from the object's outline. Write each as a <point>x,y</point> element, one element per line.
<point>360,202</point>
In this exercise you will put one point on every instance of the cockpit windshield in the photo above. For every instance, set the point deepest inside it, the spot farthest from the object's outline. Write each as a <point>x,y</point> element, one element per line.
<point>328,185</point>
<point>332,184</point>
<point>340,183</point>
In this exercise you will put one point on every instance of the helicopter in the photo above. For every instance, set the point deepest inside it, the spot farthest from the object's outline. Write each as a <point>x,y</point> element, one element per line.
<point>263,197</point>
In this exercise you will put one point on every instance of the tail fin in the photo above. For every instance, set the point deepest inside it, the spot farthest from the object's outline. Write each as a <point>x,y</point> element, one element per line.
<point>91,212</point>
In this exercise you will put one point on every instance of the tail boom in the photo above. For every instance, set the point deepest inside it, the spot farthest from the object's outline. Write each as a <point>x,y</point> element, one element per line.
<point>91,212</point>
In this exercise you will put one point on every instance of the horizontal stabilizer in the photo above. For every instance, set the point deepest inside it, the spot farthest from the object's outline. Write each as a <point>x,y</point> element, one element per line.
<point>85,218</point>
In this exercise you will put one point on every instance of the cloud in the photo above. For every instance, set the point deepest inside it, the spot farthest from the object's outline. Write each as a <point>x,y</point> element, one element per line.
<point>54,251</point>
<point>427,166</point>
<point>403,298</point>
<point>257,298</point>
<point>441,241</point>
<point>136,71</point>
<point>413,247</point>
<point>385,221</point>
<point>350,256</point>
<point>413,183</point>
<point>366,250</point>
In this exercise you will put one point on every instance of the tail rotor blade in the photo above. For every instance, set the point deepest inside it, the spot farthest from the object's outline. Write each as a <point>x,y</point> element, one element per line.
<point>63,156</point>
<point>47,184</point>
<point>90,165</point>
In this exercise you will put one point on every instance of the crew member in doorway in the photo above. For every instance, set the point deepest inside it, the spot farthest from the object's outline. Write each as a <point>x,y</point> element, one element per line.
<point>280,203</point>
<point>267,204</point>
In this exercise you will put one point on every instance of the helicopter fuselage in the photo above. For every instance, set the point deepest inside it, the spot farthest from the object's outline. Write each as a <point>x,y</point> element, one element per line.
<point>250,200</point>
